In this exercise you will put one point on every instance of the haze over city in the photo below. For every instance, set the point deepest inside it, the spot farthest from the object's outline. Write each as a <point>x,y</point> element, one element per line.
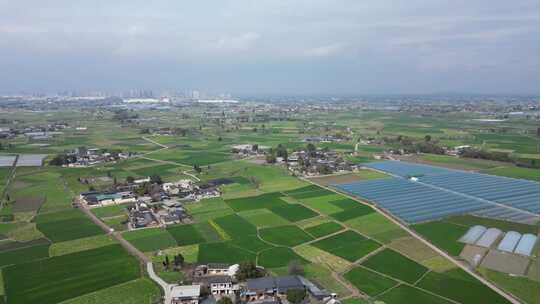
<point>271,47</point>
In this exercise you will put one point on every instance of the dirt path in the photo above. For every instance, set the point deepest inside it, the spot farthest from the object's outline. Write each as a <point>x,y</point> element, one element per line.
<point>413,233</point>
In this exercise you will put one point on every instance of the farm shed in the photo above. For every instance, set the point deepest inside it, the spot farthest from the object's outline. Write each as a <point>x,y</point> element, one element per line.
<point>526,244</point>
<point>489,237</point>
<point>509,241</point>
<point>473,234</point>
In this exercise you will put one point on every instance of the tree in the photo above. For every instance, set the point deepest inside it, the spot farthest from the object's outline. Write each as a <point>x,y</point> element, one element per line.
<point>427,138</point>
<point>178,260</point>
<point>130,179</point>
<point>281,151</point>
<point>311,149</point>
<point>255,148</point>
<point>538,132</point>
<point>197,168</point>
<point>166,263</point>
<point>225,300</point>
<point>296,268</point>
<point>296,296</point>
<point>271,158</point>
<point>156,179</point>
<point>248,270</point>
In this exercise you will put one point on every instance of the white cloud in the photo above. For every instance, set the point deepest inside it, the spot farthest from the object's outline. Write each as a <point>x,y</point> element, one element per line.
<point>326,50</point>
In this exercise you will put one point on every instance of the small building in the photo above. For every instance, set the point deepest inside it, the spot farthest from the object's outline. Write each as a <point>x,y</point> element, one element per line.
<point>219,284</point>
<point>489,238</point>
<point>509,242</point>
<point>217,269</point>
<point>270,287</point>
<point>185,294</point>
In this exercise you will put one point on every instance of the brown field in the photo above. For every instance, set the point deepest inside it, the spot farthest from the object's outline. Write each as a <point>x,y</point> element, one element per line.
<point>335,179</point>
<point>28,203</point>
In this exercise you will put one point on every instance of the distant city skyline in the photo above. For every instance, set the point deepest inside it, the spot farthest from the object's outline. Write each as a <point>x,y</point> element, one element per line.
<point>271,47</point>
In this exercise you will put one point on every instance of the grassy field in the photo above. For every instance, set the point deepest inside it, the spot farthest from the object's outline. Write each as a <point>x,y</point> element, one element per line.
<point>224,252</point>
<point>151,239</point>
<point>263,218</point>
<point>267,200</point>
<point>139,291</point>
<point>66,225</point>
<point>185,234</point>
<point>82,244</point>
<point>278,257</point>
<point>368,281</point>
<point>236,226</point>
<point>522,287</point>
<point>348,245</point>
<point>289,236</point>
<point>324,229</point>
<point>516,172</point>
<point>443,235</point>
<point>448,282</point>
<point>54,280</point>
<point>376,226</point>
<point>24,255</point>
<point>406,294</point>
<point>293,212</point>
<point>395,265</point>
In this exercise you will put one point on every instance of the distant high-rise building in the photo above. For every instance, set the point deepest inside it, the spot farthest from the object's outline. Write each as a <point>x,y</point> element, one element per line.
<point>196,95</point>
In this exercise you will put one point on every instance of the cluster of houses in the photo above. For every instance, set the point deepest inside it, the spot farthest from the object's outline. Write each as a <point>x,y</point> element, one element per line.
<point>318,162</point>
<point>325,139</point>
<point>164,207</point>
<point>86,157</point>
<point>220,280</point>
<point>246,150</point>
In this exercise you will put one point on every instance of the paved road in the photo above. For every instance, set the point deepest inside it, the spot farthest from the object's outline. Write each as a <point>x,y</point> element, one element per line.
<point>495,288</point>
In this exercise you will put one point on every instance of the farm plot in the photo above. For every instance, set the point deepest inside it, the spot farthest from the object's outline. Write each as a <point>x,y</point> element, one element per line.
<point>235,226</point>
<point>443,235</point>
<point>251,243</point>
<point>376,226</point>
<point>293,212</point>
<point>80,245</point>
<point>279,257</point>
<point>23,255</point>
<point>263,218</point>
<point>320,257</point>
<point>406,294</point>
<point>66,225</point>
<point>324,229</point>
<point>224,252</point>
<point>322,203</point>
<point>186,234</point>
<point>285,235</point>
<point>351,209</point>
<point>395,265</point>
<point>348,245</point>
<point>57,281</point>
<point>28,203</point>
<point>368,281</point>
<point>133,292</point>
<point>150,239</point>
<point>447,283</point>
<point>267,200</point>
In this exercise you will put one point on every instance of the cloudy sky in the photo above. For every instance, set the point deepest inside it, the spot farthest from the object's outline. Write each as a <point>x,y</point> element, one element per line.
<point>272,46</point>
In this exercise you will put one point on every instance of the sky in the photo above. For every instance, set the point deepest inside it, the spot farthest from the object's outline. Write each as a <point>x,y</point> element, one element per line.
<point>280,47</point>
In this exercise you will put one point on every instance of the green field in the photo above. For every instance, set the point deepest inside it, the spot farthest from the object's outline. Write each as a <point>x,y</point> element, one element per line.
<point>404,294</point>
<point>66,225</point>
<point>235,226</point>
<point>443,235</point>
<point>263,218</point>
<point>24,255</point>
<point>224,252</point>
<point>368,281</point>
<point>54,280</point>
<point>395,265</point>
<point>293,212</point>
<point>268,200</point>
<point>324,229</point>
<point>150,239</point>
<point>278,257</point>
<point>446,284</point>
<point>516,172</point>
<point>289,236</point>
<point>139,291</point>
<point>348,245</point>
<point>185,234</point>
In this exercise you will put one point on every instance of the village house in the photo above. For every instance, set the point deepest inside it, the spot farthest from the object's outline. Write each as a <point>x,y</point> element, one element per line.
<point>219,285</point>
<point>275,288</point>
<point>185,294</point>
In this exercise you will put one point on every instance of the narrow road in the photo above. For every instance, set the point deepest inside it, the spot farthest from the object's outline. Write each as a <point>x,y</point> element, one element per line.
<point>413,233</point>
<point>154,142</point>
<point>133,251</point>
<point>8,181</point>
